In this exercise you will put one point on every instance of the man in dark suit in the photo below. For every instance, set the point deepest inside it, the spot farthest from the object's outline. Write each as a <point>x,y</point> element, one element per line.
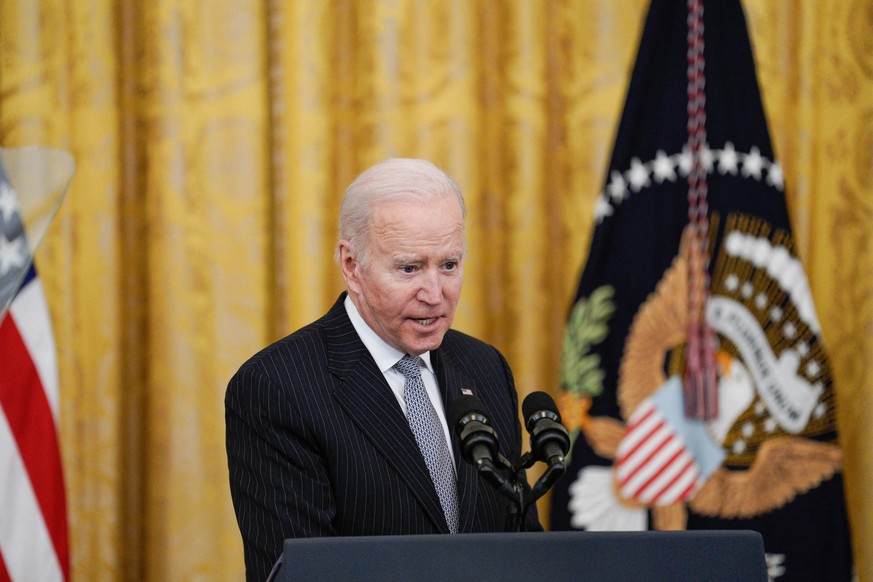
<point>323,431</point>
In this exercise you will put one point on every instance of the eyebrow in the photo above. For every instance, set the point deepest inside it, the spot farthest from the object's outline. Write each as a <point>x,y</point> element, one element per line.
<point>399,261</point>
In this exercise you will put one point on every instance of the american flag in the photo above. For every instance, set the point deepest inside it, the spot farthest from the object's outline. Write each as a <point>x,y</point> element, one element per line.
<point>33,512</point>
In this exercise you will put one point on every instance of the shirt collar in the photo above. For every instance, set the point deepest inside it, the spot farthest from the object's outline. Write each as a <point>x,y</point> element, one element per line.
<point>384,354</point>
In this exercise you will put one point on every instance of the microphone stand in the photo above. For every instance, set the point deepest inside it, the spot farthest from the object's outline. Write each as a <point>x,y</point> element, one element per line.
<point>551,475</point>
<point>513,489</point>
<point>509,488</point>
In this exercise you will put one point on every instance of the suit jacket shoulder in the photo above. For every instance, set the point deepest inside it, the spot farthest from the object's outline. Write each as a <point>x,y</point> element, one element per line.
<point>317,444</point>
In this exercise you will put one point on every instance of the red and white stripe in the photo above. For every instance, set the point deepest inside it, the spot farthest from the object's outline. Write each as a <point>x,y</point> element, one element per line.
<point>33,512</point>
<point>653,466</point>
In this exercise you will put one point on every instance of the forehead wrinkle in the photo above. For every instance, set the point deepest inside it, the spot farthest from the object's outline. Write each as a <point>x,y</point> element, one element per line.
<point>405,232</point>
<point>398,231</point>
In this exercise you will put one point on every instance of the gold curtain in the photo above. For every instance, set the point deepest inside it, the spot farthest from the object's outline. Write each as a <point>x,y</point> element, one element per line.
<point>214,138</point>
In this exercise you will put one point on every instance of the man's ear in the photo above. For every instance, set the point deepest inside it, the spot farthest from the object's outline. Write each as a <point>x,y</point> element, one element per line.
<point>349,266</point>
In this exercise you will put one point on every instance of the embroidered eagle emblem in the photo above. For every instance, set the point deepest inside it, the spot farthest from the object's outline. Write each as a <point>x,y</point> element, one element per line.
<point>776,421</point>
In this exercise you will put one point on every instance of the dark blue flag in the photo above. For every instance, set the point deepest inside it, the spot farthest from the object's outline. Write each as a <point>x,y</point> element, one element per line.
<point>694,377</point>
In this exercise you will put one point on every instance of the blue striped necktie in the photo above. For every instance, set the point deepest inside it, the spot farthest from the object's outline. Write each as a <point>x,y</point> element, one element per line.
<point>429,435</point>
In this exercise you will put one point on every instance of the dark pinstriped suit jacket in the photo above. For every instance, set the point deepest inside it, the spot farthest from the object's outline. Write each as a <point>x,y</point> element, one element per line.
<point>317,444</point>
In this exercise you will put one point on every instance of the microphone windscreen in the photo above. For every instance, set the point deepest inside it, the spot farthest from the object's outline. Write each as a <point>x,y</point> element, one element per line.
<point>464,405</point>
<point>538,402</point>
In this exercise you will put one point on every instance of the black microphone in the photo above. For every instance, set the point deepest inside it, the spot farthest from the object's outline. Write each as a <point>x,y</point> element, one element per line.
<point>549,440</point>
<point>479,447</point>
<point>478,440</point>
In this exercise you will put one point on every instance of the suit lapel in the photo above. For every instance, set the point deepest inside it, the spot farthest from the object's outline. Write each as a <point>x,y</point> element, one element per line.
<point>452,380</point>
<point>368,400</point>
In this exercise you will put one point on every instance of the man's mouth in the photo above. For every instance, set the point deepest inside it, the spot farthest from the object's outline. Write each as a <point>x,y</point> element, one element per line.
<point>427,321</point>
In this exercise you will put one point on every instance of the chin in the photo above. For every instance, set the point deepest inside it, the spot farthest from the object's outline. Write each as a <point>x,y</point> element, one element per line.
<point>431,343</point>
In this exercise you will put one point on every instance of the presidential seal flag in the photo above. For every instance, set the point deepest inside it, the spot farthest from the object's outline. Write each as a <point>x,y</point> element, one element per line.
<point>694,376</point>
<point>33,512</point>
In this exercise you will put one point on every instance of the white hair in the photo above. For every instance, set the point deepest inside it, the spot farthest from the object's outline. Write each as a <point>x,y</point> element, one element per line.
<point>393,179</point>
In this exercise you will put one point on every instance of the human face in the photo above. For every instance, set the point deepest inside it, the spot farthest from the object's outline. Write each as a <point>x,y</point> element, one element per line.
<point>409,287</point>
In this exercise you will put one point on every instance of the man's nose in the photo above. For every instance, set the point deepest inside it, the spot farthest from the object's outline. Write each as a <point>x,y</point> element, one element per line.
<point>431,289</point>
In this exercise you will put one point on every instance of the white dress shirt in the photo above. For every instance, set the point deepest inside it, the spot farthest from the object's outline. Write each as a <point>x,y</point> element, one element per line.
<point>386,356</point>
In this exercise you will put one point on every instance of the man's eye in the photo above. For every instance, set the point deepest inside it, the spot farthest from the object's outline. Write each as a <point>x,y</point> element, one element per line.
<point>450,265</point>
<point>408,269</point>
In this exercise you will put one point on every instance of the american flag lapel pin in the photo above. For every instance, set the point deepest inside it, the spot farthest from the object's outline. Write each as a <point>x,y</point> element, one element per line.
<point>466,392</point>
